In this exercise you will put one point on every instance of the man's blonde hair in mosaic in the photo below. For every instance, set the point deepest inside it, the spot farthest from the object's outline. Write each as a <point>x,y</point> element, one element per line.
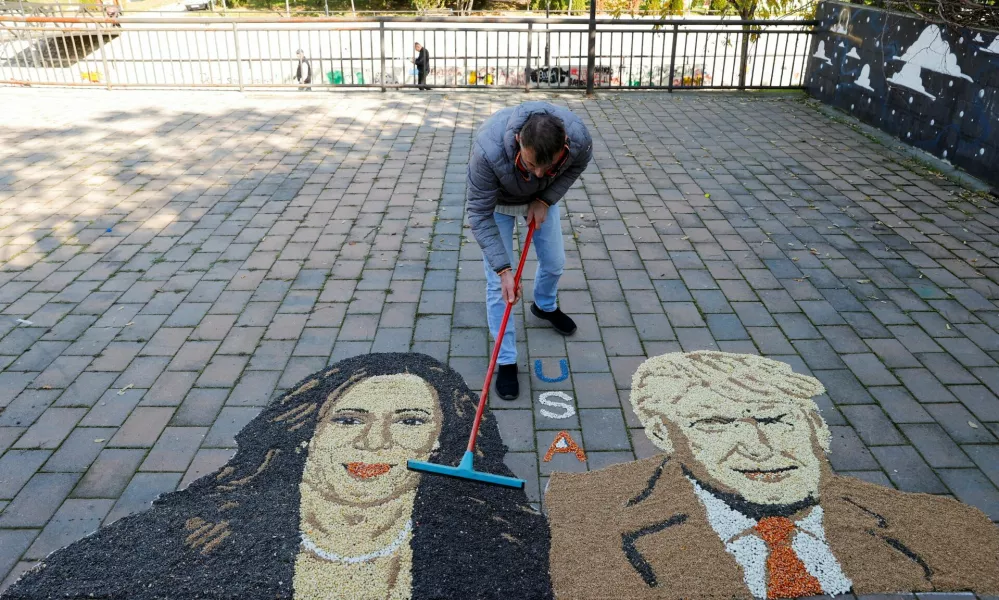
<point>664,379</point>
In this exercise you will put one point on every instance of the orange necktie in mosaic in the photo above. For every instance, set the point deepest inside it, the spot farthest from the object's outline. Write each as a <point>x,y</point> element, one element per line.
<point>786,574</point>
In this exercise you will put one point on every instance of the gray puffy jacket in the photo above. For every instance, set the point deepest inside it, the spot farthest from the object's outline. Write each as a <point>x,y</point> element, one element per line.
<point>494,179</point>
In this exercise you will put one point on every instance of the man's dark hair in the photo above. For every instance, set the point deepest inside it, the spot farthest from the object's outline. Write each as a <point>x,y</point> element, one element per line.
<point>545,135</point>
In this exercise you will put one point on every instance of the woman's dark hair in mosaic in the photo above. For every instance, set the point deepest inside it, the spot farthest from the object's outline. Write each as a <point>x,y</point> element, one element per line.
<point>235,532</point>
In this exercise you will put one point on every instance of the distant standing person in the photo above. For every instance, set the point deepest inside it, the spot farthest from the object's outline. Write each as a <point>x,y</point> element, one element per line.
<point>304,73</point>
<point>524,160</point>
<point>422,62</point>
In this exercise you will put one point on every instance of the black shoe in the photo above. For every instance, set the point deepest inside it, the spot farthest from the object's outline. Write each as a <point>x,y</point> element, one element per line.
<point>507,385</point>
<point>559,320</point>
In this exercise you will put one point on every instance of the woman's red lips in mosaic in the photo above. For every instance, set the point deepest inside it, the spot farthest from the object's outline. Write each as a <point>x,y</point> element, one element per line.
<point>362,470</point>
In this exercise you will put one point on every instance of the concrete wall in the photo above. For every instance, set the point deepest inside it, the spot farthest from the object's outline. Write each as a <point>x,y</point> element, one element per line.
<point>933,87</point>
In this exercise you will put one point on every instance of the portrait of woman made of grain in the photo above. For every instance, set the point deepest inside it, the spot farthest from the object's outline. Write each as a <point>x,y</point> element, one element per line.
<point>318,503</point>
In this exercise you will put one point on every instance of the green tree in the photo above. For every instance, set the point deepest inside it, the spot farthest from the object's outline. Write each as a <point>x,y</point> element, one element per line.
<point>720,7</point>
<point>423,6</point>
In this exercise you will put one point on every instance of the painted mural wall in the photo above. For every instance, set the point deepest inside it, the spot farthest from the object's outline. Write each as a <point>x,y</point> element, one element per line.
<point>933,87</point>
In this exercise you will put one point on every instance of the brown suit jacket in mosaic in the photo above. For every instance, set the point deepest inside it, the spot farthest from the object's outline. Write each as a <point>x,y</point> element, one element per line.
<point>637,531</point>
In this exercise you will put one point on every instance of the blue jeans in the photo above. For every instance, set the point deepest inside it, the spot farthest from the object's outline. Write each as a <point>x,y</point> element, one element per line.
<point>549,248</point>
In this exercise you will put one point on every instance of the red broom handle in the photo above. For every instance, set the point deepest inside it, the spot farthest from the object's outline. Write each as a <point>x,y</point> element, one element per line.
<point>499,341</point>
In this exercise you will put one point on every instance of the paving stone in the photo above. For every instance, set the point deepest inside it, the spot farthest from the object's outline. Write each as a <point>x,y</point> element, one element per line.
<point>900,405</point>
<point>241,340</point>
<point>893,354</point>
<point>587,357</point>
<point>525,466</point>
<point>604,429</point>
<point>516,428</point>
<point>972,487</point>
<point>166,341</point>
<point>206,461</point>
<point>818,354</point>
<point>27,407</point>
<point>230,421</point>
<point>298,369</point>
<point>872,425</point>
<point>622,341</point>
<point>986,457</point>
<point>797,327</point>
<point>255,388</point>
<point>595,390</point>
<point>848,451</point>
<point>683,314</point>
<point>169,389</point>
<point>907,470</point>
<point>113,408</point>
<point>877,477</point>
<point>223,371</point>
<point>753,314</point>
<point>945,368</point>
<point>11,384</point>
<point>175,449</point>
<point>109,474</point>
<point>936,446</point>
<point>924,386</point>
<point>843,387</point>
<point>9,435</point>
<point>51,428</point>
<point>316,341</point>
<point>79,450</point>
<point>609,314</point>
<point>142,372</point>
<point>960,424</point>
<point>979,400</point>
<point>38,500</point>
<point>200,407</point>
<point>193,356</point>
<point>140,493</point>
<point>13,543</point>
<point>869,370</point>
<point>75,519</point>
<point>726,327</point>
<point>360,327</point>
<point>142,427</point>
<point>62,372</point>
<point>599,460</point>
<point>654,327</point>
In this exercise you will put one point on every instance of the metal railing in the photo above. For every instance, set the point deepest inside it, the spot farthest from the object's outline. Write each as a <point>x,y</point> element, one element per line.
<point>375,52</point>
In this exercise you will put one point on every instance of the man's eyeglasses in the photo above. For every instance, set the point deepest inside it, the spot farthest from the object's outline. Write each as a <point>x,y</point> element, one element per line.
<point>552,169</point>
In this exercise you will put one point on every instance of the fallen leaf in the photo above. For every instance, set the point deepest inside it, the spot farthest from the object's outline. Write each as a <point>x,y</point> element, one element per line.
<point>98,440</point>
<point>973,425</point>
<point>122,391</point>
<point>863,281</point>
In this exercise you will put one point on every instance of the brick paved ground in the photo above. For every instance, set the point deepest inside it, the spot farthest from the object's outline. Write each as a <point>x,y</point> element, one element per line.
<point>183,257</point>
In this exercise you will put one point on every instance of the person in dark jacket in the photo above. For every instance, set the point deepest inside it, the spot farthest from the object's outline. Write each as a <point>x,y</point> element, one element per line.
<point>304,73</point>
<point>524,160</point>
<point>422,62</point>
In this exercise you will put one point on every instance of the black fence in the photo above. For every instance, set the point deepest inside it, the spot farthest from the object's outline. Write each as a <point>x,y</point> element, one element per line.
<point>376,52</point>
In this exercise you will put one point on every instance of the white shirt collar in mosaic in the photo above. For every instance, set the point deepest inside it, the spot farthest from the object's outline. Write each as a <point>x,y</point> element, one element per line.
<point>735,530</point>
